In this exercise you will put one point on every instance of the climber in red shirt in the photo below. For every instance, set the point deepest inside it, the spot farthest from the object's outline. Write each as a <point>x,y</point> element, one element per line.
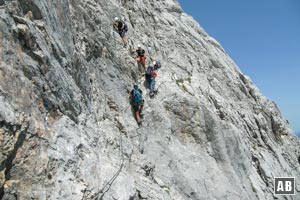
<point>141,58</point>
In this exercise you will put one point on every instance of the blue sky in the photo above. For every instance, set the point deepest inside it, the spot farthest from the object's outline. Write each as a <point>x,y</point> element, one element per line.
<point>263,38</point>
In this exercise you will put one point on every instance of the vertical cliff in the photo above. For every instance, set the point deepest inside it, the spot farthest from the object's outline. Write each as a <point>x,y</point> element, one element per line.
<point>67,129</point>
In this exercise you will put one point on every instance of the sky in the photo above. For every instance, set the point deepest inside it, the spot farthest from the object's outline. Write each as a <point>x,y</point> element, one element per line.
<point>263,39</point>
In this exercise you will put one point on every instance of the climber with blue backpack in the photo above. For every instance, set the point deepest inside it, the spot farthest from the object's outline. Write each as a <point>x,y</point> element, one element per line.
<point>121,27</point>
<point>137,102</point>
<point>150,75</point>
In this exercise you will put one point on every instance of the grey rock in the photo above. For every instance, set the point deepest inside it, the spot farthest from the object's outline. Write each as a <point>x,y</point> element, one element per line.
<point>40,56</point>
<point>19,19</point>
<point>66,124</point>
<point>23,29</point>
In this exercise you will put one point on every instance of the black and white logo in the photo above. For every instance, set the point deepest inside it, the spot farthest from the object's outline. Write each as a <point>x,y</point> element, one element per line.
<point>284,186</point>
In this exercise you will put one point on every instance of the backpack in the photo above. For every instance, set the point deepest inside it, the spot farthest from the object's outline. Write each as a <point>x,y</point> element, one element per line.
<point>136,96</point>
<point>149,72</point>
<point>125,26</point>
<point>157,65</point>
<point>140,52</point>
<point>154,73</point>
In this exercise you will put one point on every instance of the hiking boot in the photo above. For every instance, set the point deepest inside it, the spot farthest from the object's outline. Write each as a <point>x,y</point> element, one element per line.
<point>140,123</point>
<point>125,45</point>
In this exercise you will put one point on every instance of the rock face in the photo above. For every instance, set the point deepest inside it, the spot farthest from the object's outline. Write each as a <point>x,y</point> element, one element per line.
<point>67,129</point>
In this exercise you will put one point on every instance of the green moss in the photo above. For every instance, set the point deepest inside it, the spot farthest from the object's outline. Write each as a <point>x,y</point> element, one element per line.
<point>254,146</point>
<point>181,80</point>
<point>189,79</point>
<point>180,83</point>
<point>185,89</point>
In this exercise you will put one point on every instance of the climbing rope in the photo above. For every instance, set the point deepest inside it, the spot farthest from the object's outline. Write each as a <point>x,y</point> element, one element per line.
<point>114,177</point>
<point>138,134</point>
<point>100,194</point>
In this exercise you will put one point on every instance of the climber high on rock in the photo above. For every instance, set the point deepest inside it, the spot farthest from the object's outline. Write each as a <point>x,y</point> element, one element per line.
<point>141,58</point>
<point>121,27</point>
<point>137,102</point>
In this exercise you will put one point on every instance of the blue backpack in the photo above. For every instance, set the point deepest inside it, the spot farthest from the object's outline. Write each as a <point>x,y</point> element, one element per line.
<point>136,96</point>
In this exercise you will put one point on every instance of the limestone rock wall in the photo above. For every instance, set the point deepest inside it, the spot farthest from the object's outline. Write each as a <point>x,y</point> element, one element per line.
<point>67,129</point>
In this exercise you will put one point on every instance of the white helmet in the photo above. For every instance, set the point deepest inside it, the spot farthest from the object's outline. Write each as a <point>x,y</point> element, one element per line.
<point>154,62</point>
<point>139,46</point>
<point>116,19</point>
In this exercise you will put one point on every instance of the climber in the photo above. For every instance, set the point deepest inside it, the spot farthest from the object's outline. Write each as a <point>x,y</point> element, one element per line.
<point>140,56</point>
<point>137,102</point>
<point>156,64</point>
<point>121,27</point>
<point>150,76</point>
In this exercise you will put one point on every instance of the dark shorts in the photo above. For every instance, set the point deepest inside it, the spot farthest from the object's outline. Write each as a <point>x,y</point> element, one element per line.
<point>122,33</point>
<point>136,105</point>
